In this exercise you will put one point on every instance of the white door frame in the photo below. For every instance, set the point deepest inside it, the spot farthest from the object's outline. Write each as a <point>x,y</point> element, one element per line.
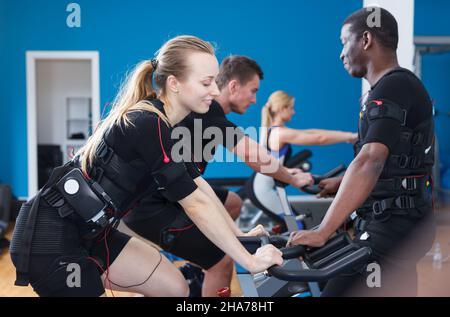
<point>31,58</point>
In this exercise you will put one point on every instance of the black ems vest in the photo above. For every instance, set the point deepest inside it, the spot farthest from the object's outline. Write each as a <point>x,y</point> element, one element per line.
<point>118,178</point>
<point>404,184</point>
<point>113,181</point>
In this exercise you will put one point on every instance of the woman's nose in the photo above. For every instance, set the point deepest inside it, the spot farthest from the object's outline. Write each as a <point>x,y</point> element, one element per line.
<point>215,90</point>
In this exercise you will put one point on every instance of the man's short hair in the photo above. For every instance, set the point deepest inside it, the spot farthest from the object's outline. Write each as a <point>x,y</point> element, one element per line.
<point>241,68</point>
<point>386,32</point>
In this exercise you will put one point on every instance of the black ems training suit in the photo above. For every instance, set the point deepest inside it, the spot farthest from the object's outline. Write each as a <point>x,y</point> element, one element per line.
<point>63,224</point>
<point>396,221</point>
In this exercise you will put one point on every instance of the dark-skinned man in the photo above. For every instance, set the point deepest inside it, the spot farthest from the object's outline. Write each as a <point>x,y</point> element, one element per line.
<point>388,182</point>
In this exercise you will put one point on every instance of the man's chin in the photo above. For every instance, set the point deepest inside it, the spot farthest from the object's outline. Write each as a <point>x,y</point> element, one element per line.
<point>355,73</point>
<point>238,110</point>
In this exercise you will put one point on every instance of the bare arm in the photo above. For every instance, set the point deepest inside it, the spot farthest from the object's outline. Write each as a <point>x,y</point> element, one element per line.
<point>362,175</point>
<point>311,137</point>
<point>257,157</point>
<point>206,188</point>
<point>204,213</point>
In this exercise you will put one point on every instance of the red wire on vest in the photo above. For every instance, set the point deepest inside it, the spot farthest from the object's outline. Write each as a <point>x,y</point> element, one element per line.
<point>378,102</point>
<point>166,158</point>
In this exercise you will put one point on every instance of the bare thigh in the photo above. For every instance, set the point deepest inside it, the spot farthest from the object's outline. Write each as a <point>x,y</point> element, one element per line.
<point>142,269</point>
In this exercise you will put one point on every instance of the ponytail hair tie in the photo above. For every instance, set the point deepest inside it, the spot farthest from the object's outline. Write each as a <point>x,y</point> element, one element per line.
<point>154,63</point>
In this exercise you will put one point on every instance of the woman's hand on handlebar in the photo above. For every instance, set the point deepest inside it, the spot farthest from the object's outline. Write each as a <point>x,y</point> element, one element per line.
<point>258,231</point>
<point>353,137</point>
<point>329,186</point>
<point>294,170</point>
<point>265,257</point>
<point>306,237</point>
<point>300,178</point>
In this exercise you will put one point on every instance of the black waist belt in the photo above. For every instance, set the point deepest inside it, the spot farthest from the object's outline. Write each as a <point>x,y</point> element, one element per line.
<point>407,195</point>
<point>382,209</point>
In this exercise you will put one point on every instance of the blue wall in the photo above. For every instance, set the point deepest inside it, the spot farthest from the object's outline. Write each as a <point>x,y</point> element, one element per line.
<point>431,18</point>
<point>5,139</point>
<point>296,43</point>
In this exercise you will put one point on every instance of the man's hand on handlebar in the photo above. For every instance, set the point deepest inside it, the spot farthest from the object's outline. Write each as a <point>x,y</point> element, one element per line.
<point>329,186</point>
<point>306,237</point>
<point>301,178</point>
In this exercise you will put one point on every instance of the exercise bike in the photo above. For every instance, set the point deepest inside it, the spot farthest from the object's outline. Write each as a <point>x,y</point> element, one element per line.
<point>297,277</point>
<point>261,204</point>
<point>304,268</point>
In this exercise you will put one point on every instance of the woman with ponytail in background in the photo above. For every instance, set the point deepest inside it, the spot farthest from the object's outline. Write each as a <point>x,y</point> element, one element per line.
<point>278,138</point>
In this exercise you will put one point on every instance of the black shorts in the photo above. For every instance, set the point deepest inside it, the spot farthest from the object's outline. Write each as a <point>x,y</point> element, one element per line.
<point>221,192</point>
<point>57,275</point>
<point>173,231</point>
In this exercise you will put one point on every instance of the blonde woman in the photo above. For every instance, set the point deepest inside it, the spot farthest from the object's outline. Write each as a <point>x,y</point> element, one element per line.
<point>278,138</point>
<point>69,227</point>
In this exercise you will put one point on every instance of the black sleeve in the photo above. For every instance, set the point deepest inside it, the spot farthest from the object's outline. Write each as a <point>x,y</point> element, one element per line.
<point>192,169</point>
<point>387,130</point>
<point>154,145</point>
<point>230,132</point>
<point>383,130</point>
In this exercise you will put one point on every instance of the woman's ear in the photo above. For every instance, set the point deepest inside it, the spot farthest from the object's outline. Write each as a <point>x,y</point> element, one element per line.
<point>172,84</point>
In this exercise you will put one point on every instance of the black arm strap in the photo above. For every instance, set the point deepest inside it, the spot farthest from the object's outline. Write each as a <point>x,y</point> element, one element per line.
<point>377,109</point>
<point>169,173</point>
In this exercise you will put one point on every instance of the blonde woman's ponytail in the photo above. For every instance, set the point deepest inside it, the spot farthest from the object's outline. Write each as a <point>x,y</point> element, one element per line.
<point>266,122</point>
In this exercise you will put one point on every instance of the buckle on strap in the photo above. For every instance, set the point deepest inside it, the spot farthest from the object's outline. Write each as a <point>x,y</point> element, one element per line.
<point>96,173</point>
<point>400,202</point>
<point>404,161</point>
<point>53,197</point>
<point>405,202</point>
<point>104,152</point>
<point>409,183</point>
<point>360,224</point>
<point>397,183</point>
<point>404,117</point>
<point>379,207</point>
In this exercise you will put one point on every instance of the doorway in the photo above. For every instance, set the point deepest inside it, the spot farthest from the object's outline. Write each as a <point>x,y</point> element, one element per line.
<point>63,107</point>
